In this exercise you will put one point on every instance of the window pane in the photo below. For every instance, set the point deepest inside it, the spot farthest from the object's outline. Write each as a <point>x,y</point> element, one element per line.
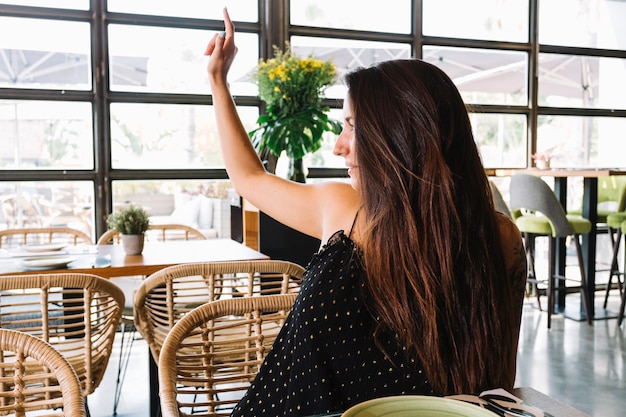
<point>241,10</point>
<point>61,4</point>
<point>484,76</point>
<point>58,59</point>
<point>594,142</point>
<point>353,14</point>
<point>159,59</point>
<point>324,157</point>
<point>582,81</point>
<point>498,20</point>
<point>583,23</point>
<point>46,135</point>
<point>204,205</point>
<point>45,204</point>
<point>501,139</point>
<point>168,136</point>
<point>347,55</point>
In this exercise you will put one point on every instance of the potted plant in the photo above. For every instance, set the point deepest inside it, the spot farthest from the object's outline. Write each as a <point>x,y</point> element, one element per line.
<point>543,159</point>
<point>131,222</point>
<point>292,89</point>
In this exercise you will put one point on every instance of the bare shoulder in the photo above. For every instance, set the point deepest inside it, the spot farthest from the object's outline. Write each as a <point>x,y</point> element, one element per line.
<point>341,203</point>
<point>513,249</point>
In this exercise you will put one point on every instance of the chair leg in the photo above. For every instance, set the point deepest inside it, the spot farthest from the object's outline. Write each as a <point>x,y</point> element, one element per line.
<point>620,317</point>
<point>126,345</point>
<point>529,247</point>
<point>614,266</point>
<point>583,287</point>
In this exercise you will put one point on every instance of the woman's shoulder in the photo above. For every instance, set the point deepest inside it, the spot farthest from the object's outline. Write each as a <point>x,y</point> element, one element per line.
<point>507,227</point>
<point>341,203</point>
<point>513,248</point>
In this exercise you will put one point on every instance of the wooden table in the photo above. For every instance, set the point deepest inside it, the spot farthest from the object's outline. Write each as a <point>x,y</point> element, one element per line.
<point>546,403</point>
<point>110,261</point>
<point>590,211</point>
<point>155,256</point>
<point>531,397</point>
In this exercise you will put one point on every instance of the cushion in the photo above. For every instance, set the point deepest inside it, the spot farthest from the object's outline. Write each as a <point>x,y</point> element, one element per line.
<point>205,212</point>
<point>187,213</point>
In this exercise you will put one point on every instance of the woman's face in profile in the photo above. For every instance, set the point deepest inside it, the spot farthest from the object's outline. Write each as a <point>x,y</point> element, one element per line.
<point>345,143</point>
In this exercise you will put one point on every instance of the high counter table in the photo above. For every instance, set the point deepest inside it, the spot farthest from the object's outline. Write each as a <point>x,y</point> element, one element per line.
<point>590,211</point>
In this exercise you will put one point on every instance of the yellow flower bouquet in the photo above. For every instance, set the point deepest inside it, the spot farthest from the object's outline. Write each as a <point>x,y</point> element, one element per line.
<point>292,89</point>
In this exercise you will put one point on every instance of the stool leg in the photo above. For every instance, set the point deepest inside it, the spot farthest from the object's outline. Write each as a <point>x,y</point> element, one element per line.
<point>529,245</point>
<point>620,318</point>
<point>614,265</point>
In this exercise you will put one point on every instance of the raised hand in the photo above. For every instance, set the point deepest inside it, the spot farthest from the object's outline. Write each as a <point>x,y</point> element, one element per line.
<point>222,50</point>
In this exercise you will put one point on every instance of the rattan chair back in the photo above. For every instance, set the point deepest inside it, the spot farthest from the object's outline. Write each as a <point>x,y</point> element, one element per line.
<point>166,296</point>
<point>35,376</point>
<point>76,313</point>
<point>211,355</point>
<point>157,232</point>
<point>10,238</point>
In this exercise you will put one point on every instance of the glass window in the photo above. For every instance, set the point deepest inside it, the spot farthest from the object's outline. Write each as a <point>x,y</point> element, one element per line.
<point>167,60</point>
<point>57,58</point>
<point>497,20</point>
<point>324,157</point>
<point>582,81</point>
<point>46,135</point>
<point>202,204</point>
<point>47,204</point>
<point>353,14</point>
<point>583,141</point>
<point>168,136</point>
<point>484,76</point>
<point>62,4</point>
<point>501,139</point>
<point>347,55</point>
<point>582,23</point>
<point>241,10</point>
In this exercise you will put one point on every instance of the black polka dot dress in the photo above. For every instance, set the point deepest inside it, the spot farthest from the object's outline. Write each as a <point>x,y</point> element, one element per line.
<point>325,358</point>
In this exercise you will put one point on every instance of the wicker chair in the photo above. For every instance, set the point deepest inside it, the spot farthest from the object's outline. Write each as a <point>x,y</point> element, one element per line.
<point>211,355</point>
<point>166,296</point>
<point>155,232</point>
<point>10,238</point>
<point>35,376</point>
<point>52,307</point>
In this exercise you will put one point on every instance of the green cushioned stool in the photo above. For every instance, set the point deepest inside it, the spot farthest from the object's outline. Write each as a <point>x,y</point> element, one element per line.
<point>611,191</point>
<point>537,212</point>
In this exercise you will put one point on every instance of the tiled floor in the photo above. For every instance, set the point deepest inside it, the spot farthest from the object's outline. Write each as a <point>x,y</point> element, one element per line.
<point>583,366</point>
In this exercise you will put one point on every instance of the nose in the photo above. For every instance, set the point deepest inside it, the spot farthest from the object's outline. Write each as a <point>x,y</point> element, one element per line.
<point>341,146</point>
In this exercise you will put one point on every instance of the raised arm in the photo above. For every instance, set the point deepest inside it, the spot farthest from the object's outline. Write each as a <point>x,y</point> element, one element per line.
<point>308,208</point>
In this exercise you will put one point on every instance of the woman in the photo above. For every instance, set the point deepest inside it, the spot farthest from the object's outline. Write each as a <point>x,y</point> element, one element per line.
<point>419,287</point>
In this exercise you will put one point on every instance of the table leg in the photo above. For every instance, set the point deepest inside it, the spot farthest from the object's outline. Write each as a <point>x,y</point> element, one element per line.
<point>560,254</point>
<point>590,211</point>
<point>155,406</point>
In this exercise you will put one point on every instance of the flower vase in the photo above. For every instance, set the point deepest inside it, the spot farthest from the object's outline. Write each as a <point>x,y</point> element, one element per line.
<point>296,170</point>
<point>543,163</point>
<point>133,244</point>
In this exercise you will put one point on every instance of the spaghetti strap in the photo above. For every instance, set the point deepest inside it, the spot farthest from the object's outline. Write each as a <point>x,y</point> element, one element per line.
<point>353,223</point>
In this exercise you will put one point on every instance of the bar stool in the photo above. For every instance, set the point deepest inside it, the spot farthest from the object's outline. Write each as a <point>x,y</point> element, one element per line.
<point>537,212</point>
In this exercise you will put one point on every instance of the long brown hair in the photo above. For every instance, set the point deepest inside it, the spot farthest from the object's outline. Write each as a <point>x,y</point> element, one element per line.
<point>434,263</point>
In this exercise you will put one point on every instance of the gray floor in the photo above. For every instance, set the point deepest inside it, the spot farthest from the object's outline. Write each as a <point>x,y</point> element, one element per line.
<point>581,365</point>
